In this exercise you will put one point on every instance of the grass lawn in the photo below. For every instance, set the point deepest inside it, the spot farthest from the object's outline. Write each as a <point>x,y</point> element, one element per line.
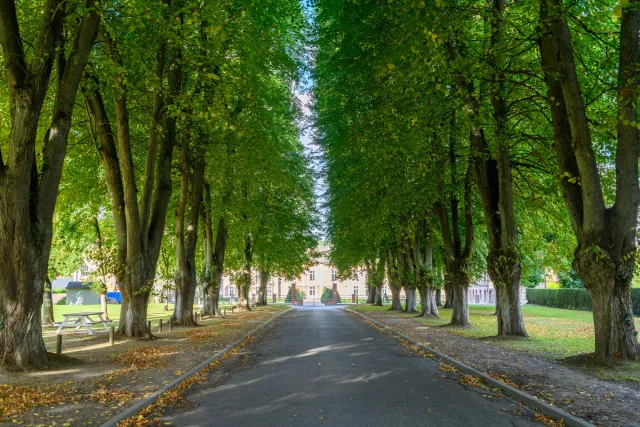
<point>155,312</point>
<point>555,332</point>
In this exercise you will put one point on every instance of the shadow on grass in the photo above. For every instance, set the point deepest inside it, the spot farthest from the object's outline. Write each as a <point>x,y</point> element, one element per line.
<point>498,338</point>
<point>615,370</point>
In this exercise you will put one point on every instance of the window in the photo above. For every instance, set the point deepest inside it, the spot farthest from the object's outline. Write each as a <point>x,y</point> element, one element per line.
<point>334,275</point>
<point>385,288</point>
<point>355,277</point>
<point>312,275</point>
<point>355,290</point>
<point>268,290</point>
<point>232,290</point>
<point>312,291</point>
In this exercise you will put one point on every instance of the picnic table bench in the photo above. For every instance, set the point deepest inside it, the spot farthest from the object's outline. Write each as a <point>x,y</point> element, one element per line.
<point>82,321</point>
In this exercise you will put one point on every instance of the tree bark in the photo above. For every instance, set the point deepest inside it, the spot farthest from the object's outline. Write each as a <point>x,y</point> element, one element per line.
<point>262,292</point>
<point>460,304</point>
<point>371,295</point>
<point>189,209</point>
<point>410,301</point>
<point>438,297</point>
<point>422,248</point>
<point>214,256</point>
<point>605,256</point>
<point>429,308</point>
<point>28,194</point>
<point>495,187</point>
<point>47,303</point>
<point>394,284</point>
<point>448,289</point>
<point>138,242</point>
<point>247,277</point>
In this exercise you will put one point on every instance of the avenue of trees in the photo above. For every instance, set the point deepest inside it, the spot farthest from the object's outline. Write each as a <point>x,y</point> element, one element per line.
<point>160,138</point>
<point>467,136</point>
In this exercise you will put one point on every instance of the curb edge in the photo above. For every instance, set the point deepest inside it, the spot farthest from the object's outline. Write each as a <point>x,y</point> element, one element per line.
<point>540,406</point>
<point>132,410</point>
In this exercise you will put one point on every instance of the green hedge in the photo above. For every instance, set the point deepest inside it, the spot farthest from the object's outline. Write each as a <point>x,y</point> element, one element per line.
<point>572,299</point>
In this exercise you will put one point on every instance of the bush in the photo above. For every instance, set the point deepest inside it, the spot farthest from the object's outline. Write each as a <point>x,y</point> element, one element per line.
<point>572,299</point>
<point>63,301</point>
<point>59,291</point>
<point>299,296</point>
<point>327,295</point>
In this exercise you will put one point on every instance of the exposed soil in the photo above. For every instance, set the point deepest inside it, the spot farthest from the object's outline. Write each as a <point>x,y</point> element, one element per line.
<point>601,402</point>
<point>93,381</point>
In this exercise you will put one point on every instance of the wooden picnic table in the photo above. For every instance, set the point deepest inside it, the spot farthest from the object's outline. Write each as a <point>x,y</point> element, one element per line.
<point>82,321</point>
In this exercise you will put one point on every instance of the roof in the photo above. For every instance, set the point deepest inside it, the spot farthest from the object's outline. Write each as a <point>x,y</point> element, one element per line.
<point>78,285</point>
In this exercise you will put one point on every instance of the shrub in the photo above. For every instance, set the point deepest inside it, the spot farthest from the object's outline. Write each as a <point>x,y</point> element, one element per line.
<point>59,291</point>
<point>63,301</point>
<point>299,295</point>
<point>572,299</point>
<point>327,295</point>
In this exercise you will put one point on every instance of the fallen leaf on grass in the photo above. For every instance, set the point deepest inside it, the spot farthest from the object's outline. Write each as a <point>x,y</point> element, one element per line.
<point>145,357</point>
<point>15,400</point>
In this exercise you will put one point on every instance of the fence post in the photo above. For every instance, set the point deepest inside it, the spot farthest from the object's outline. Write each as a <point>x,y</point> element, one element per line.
<point>58,344</point>
<point>169,324</point>
<point>149,324</point>
<point>111,336</point>
<point>160,324</point>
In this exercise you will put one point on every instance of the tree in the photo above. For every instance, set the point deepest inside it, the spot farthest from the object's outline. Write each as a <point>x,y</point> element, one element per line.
<point>139,225</point>
<point>105,259</point>
<point>28,191</point>
<point>605,256</point>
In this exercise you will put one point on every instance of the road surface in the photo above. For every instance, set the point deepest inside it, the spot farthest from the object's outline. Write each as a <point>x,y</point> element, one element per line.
<point>326,367</point>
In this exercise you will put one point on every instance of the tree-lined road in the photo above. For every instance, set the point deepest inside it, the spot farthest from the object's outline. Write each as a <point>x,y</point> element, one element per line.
<point>324,366</point>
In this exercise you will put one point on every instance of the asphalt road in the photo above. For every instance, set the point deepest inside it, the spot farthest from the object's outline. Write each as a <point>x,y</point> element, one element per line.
<point>323,366</point>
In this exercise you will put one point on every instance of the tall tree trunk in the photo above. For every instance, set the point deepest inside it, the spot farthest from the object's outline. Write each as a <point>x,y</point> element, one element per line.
<point>495,187</point>
<point>47,303</point>
<point>378,300</point>
<point>189,209</point>
<point>396,304</point>
<point>439,297</point>
<point>103,294</point>
<point>605,256</point>
<point>371,293</point>
<point>428,302</point>
<point>247,277</point>
<point>457,257</point>
<point>138,242</point>
<point>460,304</point>
<point>410,302</point>
<point>262,292</point>
<point>103,305</point>
<point>377,278</point>
<point>134,306</point>
<point>214,255</point>
<point>448,289</point>
<point>27,193</point>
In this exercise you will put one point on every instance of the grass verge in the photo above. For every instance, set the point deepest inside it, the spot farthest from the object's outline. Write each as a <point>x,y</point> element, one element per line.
<point>555,333</point>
